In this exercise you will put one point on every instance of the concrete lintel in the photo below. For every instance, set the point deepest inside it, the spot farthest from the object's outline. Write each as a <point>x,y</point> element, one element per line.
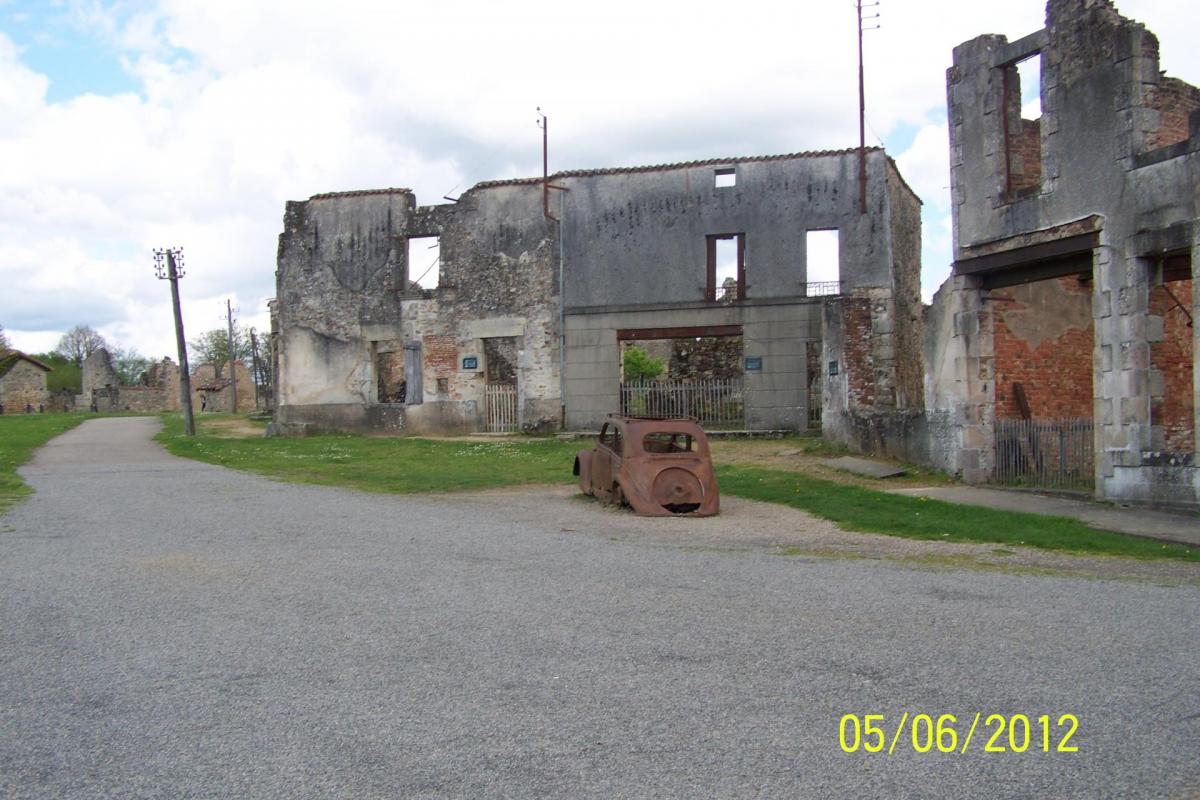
<point>1179,237</point>
<point>494,327</point>
<point>1022,48</point>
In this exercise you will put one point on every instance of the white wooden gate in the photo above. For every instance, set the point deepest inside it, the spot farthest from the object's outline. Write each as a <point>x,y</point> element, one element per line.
<point>501,407</point>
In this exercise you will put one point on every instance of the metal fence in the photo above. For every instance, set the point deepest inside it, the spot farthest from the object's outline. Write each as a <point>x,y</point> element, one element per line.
<point>822,288</point>
<point>500,403</point>
<point>1045,453</point>
<point>716,404</point>
<point>814,402</point>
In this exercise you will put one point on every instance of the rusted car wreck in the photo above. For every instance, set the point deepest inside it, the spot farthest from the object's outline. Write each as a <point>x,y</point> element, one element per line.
<point>658,467</point>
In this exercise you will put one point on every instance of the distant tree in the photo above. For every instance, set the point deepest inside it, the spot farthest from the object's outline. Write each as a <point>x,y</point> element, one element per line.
<point>212,347</point>
<point>5,344</point>
<point>639,366</point>
<point>79,343</point>
<point>66,374</point>
<point>129,364</point>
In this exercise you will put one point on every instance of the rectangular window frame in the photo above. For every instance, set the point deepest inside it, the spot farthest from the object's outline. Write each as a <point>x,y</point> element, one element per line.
<point>711,288</point>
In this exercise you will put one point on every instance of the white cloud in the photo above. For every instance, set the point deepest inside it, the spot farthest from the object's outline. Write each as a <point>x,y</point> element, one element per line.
<point>243,106</point>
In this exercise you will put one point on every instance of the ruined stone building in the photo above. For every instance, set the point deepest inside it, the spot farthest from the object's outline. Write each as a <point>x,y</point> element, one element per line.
<point>1076,238</point>
<point>22,383</point>
<point>539,286</point>
<point>158,389</point>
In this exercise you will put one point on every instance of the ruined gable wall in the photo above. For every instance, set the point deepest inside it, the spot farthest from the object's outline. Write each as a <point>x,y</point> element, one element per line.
<point>338,270</point>
<point>96,372</point>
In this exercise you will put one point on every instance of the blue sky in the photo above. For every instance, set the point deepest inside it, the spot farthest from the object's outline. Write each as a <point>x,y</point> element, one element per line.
<point>136,124</point>
<point>57,41</point>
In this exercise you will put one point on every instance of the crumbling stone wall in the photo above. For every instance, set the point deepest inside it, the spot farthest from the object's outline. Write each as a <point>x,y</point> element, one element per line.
<point>210,389</point>
<point>96,372</point>
<point>705,358</point>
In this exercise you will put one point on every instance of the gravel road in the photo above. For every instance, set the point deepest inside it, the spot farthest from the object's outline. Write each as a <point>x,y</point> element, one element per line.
<point>172,629</point>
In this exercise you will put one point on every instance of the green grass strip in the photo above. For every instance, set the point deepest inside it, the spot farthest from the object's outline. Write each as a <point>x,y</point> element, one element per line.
<point>858,509</point>
<point>408,465</point>
<point>20,435</point>
<point>381,464</point>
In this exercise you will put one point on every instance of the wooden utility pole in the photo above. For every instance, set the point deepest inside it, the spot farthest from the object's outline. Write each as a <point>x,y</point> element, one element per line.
<point>168,265</point>
<point>862,108</point>
<point>232,351</point>
<point>257,367</point>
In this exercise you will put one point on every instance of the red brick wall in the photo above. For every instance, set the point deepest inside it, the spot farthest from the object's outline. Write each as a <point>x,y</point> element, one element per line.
<point>1175,101</point>
<point>1024,140</point>
<point>857,362</point>
<point>1025,156</point>
<point>1043,337</point>
<point>441,355</point>
<point>1172,357</point>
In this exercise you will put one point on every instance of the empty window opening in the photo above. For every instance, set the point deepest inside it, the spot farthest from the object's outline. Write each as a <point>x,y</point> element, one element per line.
<point>390,383</point>
<point>822,254</point>
<point>1023,124</point>
<point>726,267</point>
<point>424,262</point>
<point>726,178</point>
<point>665,442</point>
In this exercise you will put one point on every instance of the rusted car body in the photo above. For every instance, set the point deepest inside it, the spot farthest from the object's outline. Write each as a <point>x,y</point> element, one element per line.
<point>659,467</point>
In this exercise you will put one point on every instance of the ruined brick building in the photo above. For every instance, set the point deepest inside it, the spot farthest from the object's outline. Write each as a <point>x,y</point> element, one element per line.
<point>1076,238</point>
<point>540,285</point>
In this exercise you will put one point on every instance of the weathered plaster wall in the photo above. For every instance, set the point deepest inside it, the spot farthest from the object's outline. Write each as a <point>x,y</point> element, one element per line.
<point>642,234</point>
<point>341,265</point>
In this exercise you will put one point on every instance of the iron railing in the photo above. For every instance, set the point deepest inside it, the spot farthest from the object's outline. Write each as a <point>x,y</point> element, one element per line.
<point>1045,453</point>
<point>715,403</point>
<point>822,288</point>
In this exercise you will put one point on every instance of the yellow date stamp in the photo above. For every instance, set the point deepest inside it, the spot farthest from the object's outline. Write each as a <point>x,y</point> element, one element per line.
<point>946,733</point>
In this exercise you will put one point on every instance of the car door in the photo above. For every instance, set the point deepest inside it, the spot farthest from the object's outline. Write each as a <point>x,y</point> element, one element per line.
<point>602,466</point>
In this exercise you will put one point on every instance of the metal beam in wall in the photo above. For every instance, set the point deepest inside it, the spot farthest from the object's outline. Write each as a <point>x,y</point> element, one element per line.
<point>643,334</point>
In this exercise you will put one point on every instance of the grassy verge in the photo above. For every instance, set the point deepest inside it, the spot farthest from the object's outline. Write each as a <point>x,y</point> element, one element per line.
<point>409,465</point>
<point>855,508</point>
<point>398,465</point>
<point>20,435</point>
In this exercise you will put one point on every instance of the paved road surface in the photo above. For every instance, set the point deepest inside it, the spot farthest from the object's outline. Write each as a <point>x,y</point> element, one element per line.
<point>290,641</point>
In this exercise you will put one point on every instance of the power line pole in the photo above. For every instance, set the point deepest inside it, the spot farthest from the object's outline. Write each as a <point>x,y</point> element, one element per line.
<point>257,365</point>
<point>862,111</point>
<point>232,353</point>
<point>168,265</point>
